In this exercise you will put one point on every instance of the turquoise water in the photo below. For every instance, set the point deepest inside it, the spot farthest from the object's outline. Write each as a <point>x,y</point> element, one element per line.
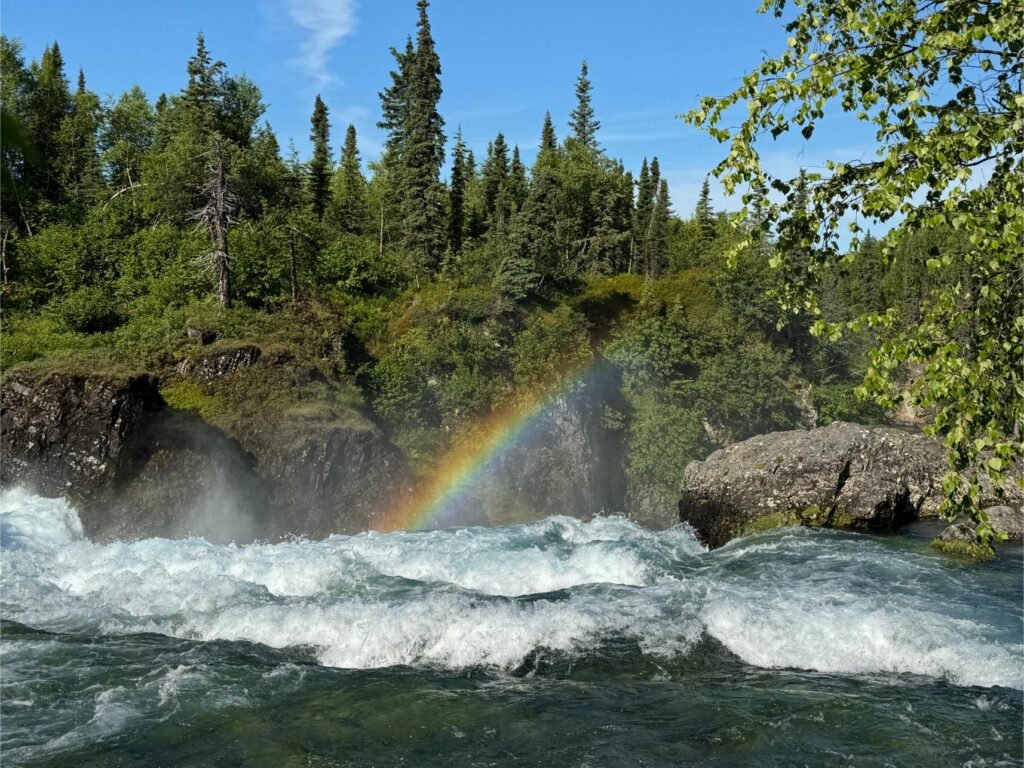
<point>555,643</point>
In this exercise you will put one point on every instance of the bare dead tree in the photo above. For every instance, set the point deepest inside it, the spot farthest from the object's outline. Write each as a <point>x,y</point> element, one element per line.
<point>216,217</point>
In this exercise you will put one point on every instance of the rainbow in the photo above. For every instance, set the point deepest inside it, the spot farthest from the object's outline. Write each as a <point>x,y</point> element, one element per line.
<point>465,461</point>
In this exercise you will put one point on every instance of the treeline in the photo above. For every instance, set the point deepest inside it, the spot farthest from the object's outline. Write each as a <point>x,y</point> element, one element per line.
<point>429,301</point>
<point>203,155</point>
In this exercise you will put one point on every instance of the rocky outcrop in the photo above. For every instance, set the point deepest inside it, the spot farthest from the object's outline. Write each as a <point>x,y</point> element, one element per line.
<point>844,475</point>
<point>66,431</point>
<point>135,467</point>
<point>217,363</point>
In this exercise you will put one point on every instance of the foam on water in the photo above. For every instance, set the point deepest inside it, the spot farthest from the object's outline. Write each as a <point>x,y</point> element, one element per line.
<point>814,600</point>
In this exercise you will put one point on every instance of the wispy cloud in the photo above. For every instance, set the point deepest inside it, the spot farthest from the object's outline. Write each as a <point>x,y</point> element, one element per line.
<point>327,23</point>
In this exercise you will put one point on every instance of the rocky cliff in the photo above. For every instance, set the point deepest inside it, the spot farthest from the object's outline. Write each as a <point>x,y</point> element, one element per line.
<point>136,467</point>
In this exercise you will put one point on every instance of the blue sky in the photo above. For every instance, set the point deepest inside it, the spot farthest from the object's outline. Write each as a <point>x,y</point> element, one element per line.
<point>503,65</point>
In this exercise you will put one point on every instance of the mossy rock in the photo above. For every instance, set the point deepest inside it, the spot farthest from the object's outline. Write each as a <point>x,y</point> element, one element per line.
<point>963,550</point>
<point>812,517</point>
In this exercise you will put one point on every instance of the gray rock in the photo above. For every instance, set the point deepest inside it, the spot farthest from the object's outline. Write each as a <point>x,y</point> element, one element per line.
<point>69,431</point>
<point>843,475</point>
<point>1009,520</point>
<point>219,363</point>
<point>958,532</point>
<point>201,336</point>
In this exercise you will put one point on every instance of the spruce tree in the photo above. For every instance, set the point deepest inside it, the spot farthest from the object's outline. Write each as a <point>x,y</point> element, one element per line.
<point>422,152</point>
<point>533,236</point>
<point>348,198</point>
<point>495,180</point>
<point>320,164</point>
<point>548,139</point>
<point>704,215</point>
<point>201,98</point>
<point>584,125</point>
<point>457,197</point>
<point>642,215</point>
<point>518,186</point>
<point>658,247</point>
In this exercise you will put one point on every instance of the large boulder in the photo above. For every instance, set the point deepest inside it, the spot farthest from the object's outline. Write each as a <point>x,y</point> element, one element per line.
<point>844,475</point>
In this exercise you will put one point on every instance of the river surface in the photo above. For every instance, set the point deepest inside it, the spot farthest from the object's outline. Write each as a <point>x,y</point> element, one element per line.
<point>554,643</point>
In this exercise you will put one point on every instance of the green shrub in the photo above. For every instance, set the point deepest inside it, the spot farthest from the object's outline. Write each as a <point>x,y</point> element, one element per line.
<point>88,310</point>
<point>354,264</point>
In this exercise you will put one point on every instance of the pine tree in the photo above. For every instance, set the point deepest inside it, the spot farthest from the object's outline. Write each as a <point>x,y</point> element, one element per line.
<point>495,180</point>
<point>584,125</point>
<point>320,164</point>
<point>704,215</point>
<point>518,186</point>
<point>348,193</point>
<point>457,197</point>
<point>422,152</point>
<point>548,139</point>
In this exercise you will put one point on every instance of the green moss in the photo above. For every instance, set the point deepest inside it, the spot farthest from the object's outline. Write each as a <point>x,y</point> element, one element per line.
<point>770,521</point>
<point>188,395</point>
<point>842,519</point>
<point>965,550</point>
<point>812,517</point>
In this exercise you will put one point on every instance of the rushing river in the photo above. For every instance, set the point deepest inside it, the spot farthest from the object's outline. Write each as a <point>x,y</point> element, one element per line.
<point>555,643</point>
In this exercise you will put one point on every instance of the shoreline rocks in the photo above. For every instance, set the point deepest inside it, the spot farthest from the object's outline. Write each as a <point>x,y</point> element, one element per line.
<point>840,476</point>
<point>844,476</point>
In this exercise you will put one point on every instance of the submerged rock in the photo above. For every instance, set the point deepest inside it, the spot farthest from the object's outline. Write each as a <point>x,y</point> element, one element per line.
<point>961,540</point>
<point>844,475</point>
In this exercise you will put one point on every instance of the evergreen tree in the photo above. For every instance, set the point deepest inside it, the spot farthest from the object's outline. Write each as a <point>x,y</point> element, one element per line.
<point>584,125</point>
<point>78,159</point>
<point>548,139</point>
<point>533,236</point>
<point>320,164</point>
<point>657,251</point>
<point>457,197</point>
<point>704,215</point>
<point>642,215</point>
<point>50,102</point>
<point>201,99</point>
<point>349,204</point>
<point>518,186</point>
<point>422,152</point>
<point>476,216</point>
<point>495,182</point>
